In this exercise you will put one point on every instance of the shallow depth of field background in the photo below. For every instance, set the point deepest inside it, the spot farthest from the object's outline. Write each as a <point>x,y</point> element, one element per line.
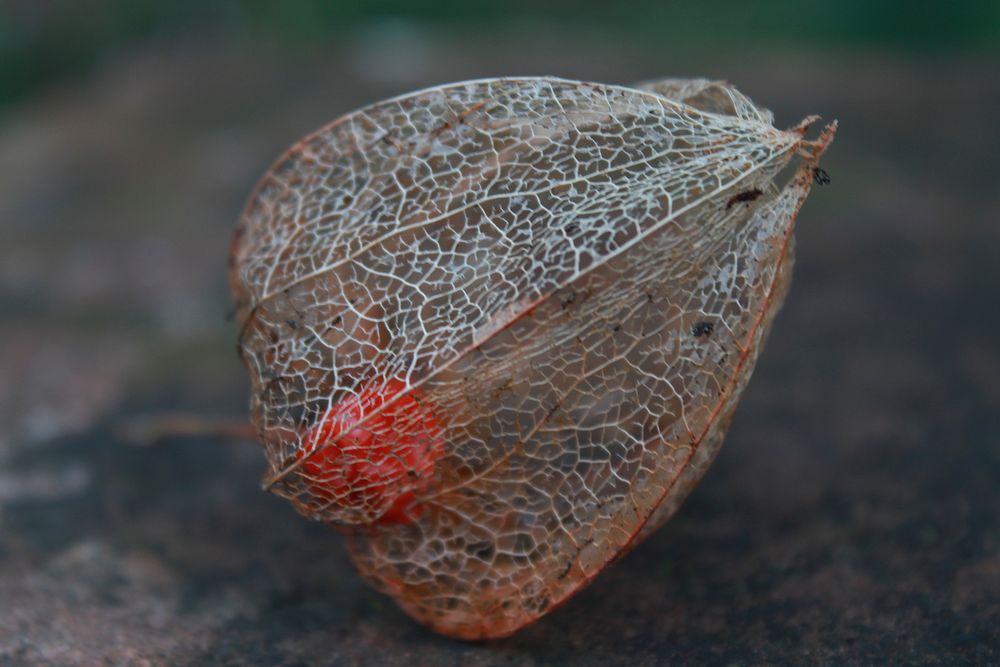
<point>851,517</point>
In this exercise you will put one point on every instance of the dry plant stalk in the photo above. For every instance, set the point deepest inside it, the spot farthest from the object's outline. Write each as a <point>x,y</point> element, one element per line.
<point>496,330</point>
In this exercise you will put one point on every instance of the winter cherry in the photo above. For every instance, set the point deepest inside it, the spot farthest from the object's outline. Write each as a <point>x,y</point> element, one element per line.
<point>373,465</point>
<point>584,273</point>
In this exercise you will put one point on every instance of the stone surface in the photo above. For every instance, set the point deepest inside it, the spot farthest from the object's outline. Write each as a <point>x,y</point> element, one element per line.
<point>851,518</point>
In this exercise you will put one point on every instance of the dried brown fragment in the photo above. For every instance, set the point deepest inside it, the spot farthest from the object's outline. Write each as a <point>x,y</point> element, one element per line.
<point>745,196</point>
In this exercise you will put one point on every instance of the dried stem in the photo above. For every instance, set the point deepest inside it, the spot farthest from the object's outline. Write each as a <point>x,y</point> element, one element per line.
<point>149,430</point>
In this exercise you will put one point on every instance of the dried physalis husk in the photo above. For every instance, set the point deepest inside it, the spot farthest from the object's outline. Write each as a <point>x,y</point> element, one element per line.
<point>496,330</point>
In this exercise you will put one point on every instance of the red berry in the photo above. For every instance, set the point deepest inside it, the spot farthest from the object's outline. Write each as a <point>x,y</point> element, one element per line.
<point>378,464</point>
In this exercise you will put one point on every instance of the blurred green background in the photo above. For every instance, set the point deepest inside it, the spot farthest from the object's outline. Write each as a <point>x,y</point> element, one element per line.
<point>42,41</point>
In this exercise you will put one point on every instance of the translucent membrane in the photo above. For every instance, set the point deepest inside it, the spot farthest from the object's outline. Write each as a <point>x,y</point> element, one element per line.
<point>496,330</point>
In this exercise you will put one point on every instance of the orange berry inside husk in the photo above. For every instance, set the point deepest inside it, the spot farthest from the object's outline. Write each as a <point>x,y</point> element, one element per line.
<point>371,453</point>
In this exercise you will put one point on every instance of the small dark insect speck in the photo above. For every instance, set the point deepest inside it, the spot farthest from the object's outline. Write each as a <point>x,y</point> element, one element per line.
<point>746,195</point>
<point>820,177</point>
<point>702,328</point>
